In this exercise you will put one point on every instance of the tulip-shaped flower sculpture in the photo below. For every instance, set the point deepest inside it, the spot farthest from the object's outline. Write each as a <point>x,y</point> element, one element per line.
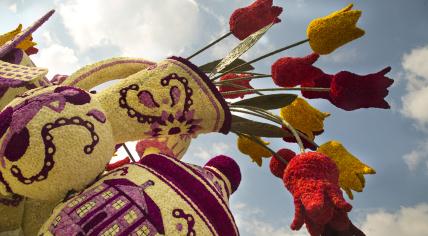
<point>57,137</point>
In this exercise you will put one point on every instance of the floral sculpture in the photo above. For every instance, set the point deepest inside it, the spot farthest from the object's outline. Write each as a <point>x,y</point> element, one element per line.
<point>57,137</point>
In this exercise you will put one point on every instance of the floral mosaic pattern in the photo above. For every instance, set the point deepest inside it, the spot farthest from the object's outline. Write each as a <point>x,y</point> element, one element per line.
<point>116,207</point>
<point>168,123</point>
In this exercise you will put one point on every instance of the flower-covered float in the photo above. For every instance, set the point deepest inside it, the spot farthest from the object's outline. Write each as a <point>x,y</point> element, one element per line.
<point>58,137</point>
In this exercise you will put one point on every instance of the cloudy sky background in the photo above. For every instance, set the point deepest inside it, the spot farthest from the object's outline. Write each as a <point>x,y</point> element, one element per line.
<point>394,141</point>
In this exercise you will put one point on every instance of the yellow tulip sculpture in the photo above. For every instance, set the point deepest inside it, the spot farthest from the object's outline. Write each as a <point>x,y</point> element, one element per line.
<point>56,138</point>
<point>305,118</point>
<point>327,33</point>
<point>351,170</point>
<point>254,150</point>
<point>24,45</point>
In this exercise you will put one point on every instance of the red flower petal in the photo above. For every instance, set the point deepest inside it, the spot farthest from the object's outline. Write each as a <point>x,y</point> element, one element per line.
<point>227,88</point>
<point>313,180</point>
<point>118,164</point>
<point>306,144</point>
<point>319,82</point>
<point>245,21</point>
<point>276,166</point>
<point>31,51</point>
<point>350,91</point>
<point>351,230</point>
<point>294,71</point>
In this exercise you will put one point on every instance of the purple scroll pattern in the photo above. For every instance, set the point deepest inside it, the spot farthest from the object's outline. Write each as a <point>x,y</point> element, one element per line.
<point>168,123</point>
<point>179,213</point>
<point>50,148</point>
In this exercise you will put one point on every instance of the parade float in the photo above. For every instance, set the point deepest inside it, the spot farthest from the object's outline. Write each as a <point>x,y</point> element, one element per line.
<point>58,136</point>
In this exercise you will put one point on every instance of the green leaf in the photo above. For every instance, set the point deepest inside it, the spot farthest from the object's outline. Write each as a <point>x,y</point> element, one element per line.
<point>258,129</point>
<point>207,68</point>
<point>245,44</point>
<point>268,102</point>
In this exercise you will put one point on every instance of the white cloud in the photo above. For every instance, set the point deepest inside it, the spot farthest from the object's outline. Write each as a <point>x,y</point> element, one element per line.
<point>220,50</point>
<point>216,148</point>
<point>46,38</point>
<point>343,55</point>
<point>416,62</point>
<point>150,29</point>
<point>408,221</point>
<point>301,3</point>
<point>58,59</point>
<point>414,105</point>
<point>122,153</point>
<point>252,221</point>
<point>12,8</point>
<point>262,47</point>
<point>416,75</point>
<point>414,102</point>
<point>415,158</point>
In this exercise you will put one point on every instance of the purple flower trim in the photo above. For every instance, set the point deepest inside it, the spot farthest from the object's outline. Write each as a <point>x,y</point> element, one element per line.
<point>74,95</point>
<point>175,188</point>
<point>17,145</point>
<point>229,168</point>
<point>209,204</point>
<point>228,116</point>
<point>6,83</point>
<point>14,56</point>
<point>50,148</point>
<point>14,201</point>
<point>97,115</point>
<point>10,45</point>
<point>106,66</point>
<point>179,213</point>
<point>146,98</point>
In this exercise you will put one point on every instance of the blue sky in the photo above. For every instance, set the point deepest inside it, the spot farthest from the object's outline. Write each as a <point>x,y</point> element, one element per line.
<point>393,141</point>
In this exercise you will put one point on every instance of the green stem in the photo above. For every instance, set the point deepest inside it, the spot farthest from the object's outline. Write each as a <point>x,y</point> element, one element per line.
<point>209,45</point>
<point>263,57</point>
<point>253,73</point>
<point>259,111</point>
<point>281,122</point>
<point>295,134</point>
<point>237,86</point>
<point>129,153</point>
<point>254,114</point>
<point>291,128</point>
<point>254,139</point>
<point>244,78</point>
<point>279,89</point>
<point>308,139</point>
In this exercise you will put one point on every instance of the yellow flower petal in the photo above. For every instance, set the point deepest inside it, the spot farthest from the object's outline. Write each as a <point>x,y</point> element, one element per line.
<point>303,117</point>
<point>10,35</point>
<point>24,45</point>
<point>351,170</point>
<point>253,149</point>
<point>349,193</point>
<point>330,32</point>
